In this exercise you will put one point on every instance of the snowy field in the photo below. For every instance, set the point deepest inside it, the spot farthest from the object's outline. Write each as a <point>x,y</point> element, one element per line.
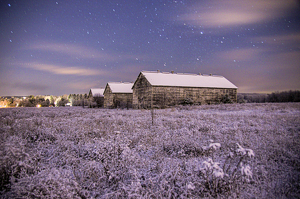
<point>217,151</point>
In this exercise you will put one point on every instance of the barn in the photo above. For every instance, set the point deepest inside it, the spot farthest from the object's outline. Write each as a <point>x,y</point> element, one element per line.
<point>96,92</point>
<point>96,97</point>
<point>118,95</point>
<point>159,90</point>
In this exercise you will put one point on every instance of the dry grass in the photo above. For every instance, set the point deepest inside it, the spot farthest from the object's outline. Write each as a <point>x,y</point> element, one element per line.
<point>84,153</point>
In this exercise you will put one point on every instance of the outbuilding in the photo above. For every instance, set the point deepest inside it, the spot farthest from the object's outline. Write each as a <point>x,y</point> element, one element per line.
<point>96,97</point>
<point>118,95</point>
<point>96,92</point>
<point>154,89</point>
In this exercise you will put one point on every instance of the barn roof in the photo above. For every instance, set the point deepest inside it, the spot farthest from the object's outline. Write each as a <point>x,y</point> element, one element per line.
<point>97,92</point>
<point>119,87</point>
<point>187,80</point>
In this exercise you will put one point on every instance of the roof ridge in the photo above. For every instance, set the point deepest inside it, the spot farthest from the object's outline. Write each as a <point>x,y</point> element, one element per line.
<point>120,82</point>
<point>194,74</point>
<point>145,71</point>
<point>188,80</point>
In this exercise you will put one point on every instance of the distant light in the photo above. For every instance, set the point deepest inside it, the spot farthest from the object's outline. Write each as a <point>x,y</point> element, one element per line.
<point>38,105</point>
<point>9,5</point>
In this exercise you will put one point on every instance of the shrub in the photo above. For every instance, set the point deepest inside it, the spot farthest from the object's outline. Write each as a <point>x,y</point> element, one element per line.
<point>102,153</point>
<point>187,101</point>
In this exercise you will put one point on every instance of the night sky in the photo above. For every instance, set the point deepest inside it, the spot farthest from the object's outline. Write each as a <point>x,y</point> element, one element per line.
<point>65,47</point>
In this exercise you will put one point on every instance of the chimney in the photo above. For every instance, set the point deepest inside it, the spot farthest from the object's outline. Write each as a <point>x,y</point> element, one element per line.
<point>158,71</point>
<point>172,72</point>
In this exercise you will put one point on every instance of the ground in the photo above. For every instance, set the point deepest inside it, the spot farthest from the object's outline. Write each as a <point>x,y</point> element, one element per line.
<point>233,150</point>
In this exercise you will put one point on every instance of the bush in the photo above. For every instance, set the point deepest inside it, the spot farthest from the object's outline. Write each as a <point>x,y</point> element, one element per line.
<point>187,101</point>
<point>89,153</point>
<point>226,100</point>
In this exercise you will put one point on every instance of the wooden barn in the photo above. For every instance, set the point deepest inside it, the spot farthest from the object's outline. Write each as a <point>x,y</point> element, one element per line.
<point>96,92</point>
<point>118,95</point>
<point>96,96</point>
<point>159,90</point>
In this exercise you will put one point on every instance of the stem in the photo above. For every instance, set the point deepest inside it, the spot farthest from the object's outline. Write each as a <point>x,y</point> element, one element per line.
<point>237,166</point>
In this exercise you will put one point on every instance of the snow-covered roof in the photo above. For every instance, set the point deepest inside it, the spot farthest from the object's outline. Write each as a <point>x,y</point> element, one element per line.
<point>97,92</point>
<point>119,87</point>
<point>187,80</point>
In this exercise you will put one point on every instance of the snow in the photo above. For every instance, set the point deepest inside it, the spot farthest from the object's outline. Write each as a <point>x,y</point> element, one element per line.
<point>119,87</point>
<point>75,152</point>
<point>97,92</point>
<point>187,80</point>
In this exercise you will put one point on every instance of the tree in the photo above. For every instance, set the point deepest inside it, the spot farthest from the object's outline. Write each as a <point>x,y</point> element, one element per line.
<point>52,101</point>
<point>62,102</point>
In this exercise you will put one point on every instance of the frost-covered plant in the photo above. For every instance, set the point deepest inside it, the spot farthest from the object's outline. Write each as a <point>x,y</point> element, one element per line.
<point>102,153</point>
<point>225,179</point>
<point>212,174</point>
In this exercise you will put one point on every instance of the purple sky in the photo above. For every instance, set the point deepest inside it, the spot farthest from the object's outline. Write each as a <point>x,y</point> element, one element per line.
<point>63,47</point>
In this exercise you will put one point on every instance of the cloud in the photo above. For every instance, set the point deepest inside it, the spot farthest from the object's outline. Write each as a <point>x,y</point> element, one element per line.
<point>290,40</point>
<point>240,55</point>
<point>268,47</point>
<point>72,50</point>
<point>229,13</point>
<point>273,64</point>
<point>61,70</point>
<point>13,87</point>
<point>30,86</point>
<point>79,52</point>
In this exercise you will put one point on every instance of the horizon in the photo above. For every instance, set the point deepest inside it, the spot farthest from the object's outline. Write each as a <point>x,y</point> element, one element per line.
<point>62,47</point>
<point>102,88</point>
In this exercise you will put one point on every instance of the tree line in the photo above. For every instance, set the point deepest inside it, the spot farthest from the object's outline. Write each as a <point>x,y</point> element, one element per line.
<point>85,100</point>
<point>45,101</point>
<point>284,96</point>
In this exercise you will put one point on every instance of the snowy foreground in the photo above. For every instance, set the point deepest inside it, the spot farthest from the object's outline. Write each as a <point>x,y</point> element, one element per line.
<point>217,151</point>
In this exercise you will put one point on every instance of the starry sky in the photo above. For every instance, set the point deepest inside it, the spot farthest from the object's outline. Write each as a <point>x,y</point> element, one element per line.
<point>59,47</point>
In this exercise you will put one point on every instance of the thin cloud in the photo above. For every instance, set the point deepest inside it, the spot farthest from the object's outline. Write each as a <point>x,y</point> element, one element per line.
<point>240,55</point>
<point>60,70</point>
<point>229,13</point>
<point>80,52</point>
<point>72,50</point>
<point>291,40</point>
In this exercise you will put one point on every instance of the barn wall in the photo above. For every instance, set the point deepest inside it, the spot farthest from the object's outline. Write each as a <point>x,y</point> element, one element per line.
<point>122,100</point>
<point>161,96</point>
<point>164,96</point>
<point>108,97</point>
<point>142,93</point>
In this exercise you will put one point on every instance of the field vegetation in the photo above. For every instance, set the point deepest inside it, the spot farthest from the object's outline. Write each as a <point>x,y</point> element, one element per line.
<point>216,151</point>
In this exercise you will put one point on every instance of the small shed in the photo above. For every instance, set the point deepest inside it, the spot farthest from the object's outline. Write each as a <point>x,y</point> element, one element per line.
<point>118,95</point>
<point>96,96</point>
<point>96,92</point>
<point>157,89</point>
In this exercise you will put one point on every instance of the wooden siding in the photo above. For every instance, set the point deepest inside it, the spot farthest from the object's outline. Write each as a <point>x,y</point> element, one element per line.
<point>108,97</point>
<point>142,93</point>
<point>146,96</point>
<point>117,100</point>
